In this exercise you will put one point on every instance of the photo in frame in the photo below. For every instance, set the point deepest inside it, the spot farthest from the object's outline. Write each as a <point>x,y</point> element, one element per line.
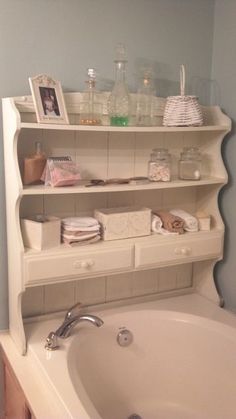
<point>48,100</point>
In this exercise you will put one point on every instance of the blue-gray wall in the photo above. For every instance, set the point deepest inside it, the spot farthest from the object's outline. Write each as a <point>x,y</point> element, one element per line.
<point>64,37</point>
<point>224,75</point>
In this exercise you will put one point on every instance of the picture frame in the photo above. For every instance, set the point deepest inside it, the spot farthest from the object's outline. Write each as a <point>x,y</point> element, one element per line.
<point>48,100</point>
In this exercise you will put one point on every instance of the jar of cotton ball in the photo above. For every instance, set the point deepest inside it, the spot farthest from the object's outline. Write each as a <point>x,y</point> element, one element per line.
<point>159,166</point>
<point>190,164</point>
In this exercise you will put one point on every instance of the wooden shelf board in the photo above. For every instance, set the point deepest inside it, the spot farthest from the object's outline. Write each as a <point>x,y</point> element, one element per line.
<point>108,128</point>
<point>82,189</point>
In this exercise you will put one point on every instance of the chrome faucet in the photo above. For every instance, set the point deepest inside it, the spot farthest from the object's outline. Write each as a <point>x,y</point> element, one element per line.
<point>70,321</point>
<point>64,330</point>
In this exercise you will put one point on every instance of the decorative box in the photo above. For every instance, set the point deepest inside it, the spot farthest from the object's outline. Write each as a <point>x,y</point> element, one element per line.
<point>204,221</point>
<point>41,232</point>
<point>124,222</point>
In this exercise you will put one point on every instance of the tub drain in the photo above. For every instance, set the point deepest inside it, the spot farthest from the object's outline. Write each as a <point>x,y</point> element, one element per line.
<point>125,338</point>
<point>134,416</point>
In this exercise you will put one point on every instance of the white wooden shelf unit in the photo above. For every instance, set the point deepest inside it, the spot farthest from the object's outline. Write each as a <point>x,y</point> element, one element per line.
<point>108,152</point>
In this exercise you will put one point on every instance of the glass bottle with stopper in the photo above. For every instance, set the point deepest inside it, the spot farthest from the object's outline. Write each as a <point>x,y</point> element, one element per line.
<point>90,107</point>
<point>145,99</point>
<point>119,101</point>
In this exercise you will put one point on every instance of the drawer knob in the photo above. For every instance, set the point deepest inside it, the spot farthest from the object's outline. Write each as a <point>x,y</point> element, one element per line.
<point>84,264</point>
<point>87,263</point>
<point>185,251</point>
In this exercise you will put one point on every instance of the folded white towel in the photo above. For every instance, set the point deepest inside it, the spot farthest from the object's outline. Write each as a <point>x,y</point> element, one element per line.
<point>80,222</point>
<point>190,222</point>
<point>156,226</point>
<point>75,237</point>
<point>73,243</point>
<point>66,227</point>
<point>94,239</point>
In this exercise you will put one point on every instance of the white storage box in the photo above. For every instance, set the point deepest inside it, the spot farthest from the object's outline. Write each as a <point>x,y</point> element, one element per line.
<point>204,221</point>
<point>124,222</point>
<point>41,232</point>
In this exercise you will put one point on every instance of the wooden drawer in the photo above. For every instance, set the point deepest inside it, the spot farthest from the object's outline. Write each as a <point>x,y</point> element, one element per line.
<point>163,251</point>
<point>43,268</point>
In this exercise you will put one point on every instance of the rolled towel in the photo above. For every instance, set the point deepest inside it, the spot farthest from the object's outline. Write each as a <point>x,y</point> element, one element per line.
<point>156,226</point>
<point>190,222</point>
<point>171,222</point>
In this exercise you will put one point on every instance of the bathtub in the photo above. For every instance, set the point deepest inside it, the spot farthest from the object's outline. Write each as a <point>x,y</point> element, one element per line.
<point>181,363</point>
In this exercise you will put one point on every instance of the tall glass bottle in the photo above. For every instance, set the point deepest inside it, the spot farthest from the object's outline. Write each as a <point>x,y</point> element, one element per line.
<point>145,100</point>
<point>90,107</point>
<point>119,101</point>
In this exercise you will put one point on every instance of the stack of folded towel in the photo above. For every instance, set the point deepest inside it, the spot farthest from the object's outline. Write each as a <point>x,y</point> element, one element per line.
<point>80,230</point>
<point>175,221</point>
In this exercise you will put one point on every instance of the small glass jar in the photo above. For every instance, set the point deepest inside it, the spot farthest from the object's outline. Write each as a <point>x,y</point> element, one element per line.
<point>190,164</point>
<point>159,166</point>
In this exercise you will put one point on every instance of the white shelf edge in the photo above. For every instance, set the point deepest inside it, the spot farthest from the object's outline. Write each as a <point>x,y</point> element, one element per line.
<point>109,128</point>
<point>82,189</point>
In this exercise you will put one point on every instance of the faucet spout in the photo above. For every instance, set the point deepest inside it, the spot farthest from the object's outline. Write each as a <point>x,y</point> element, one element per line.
<point>72,318</point>
<point>64,330</point>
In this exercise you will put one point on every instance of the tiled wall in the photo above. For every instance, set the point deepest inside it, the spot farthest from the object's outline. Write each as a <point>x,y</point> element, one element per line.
<point>56,297</point>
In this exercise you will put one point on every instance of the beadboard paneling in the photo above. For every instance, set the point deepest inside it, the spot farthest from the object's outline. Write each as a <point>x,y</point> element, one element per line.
<point>56,297</point>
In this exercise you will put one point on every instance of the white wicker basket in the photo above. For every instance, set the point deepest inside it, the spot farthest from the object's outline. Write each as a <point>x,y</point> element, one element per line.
<point>183,110</point>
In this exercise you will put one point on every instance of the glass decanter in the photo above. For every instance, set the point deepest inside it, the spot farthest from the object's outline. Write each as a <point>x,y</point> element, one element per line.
<point>119,101</point>
<point>90,107</point>
<point>145,100</point>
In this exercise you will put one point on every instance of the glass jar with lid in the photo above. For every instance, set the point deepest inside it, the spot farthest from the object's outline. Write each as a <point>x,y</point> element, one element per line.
<point>159,166</point>
<point>190,164</point>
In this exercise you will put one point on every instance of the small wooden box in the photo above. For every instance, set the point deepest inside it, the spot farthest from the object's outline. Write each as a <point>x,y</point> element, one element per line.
<point>204,221</point>
<point>41,232</point>
<point>124,222</point>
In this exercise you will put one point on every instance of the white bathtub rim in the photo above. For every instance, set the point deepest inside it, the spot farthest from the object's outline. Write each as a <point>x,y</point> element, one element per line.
<point>192,307</point>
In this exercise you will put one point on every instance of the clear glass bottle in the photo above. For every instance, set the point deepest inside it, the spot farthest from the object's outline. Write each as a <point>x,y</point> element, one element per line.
<point>90,107</point>
<point>190,164</point>
<point>119,100</point>
<point>159,166</point>
<point>34,166</point>
<point>145,100</point>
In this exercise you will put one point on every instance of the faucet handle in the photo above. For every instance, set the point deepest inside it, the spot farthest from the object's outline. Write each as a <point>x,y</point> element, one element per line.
<point>51,342</point>
<point>73,311</point>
